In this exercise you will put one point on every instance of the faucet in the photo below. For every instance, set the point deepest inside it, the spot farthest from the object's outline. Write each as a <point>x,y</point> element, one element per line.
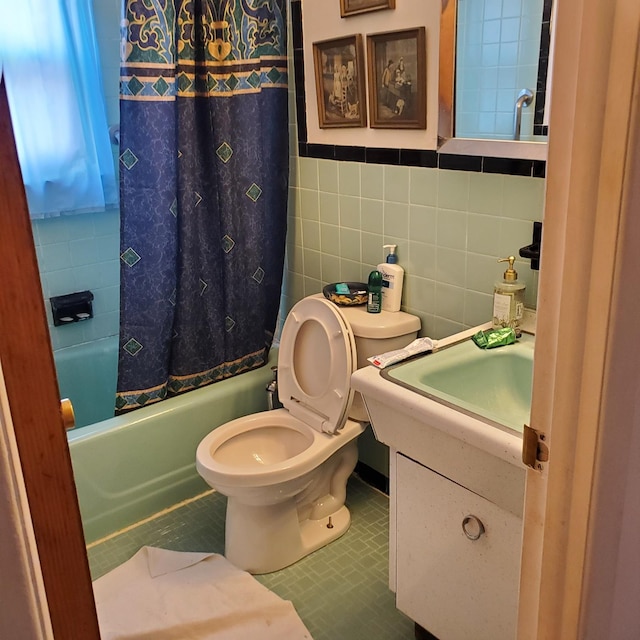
<point>524,100</point>
<point>272,391</point>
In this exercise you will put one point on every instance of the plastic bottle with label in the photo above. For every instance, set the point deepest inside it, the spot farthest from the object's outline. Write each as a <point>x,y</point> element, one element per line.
<point>392,279</point>
<point>374,299</point>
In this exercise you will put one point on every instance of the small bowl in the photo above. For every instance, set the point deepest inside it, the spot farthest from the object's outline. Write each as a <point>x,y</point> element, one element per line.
<point>357,294</point>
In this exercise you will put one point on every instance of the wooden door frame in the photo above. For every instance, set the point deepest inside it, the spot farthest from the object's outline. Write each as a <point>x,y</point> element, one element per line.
<point>34,405</point>
<point>579,396</point>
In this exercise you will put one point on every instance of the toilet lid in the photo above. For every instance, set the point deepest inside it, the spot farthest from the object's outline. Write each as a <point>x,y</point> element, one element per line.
<point>315,363</point>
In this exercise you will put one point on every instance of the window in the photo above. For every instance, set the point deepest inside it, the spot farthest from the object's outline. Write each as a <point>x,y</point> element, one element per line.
<point>51,68</point>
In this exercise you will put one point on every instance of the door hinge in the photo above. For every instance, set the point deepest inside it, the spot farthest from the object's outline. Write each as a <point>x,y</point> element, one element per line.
<point>535,450</point>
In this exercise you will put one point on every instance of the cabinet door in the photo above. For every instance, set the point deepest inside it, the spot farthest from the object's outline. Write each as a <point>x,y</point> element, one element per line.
<point>455,587</point>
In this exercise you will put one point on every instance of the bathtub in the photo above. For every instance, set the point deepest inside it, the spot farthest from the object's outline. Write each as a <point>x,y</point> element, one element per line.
<point>132,466</point>
<point>87,376</point>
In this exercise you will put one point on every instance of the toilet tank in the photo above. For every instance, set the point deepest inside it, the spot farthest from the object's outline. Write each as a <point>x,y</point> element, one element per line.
<point>377,333</point>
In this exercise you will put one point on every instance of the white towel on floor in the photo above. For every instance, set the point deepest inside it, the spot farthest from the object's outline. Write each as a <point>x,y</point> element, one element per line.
<point>171,595</point>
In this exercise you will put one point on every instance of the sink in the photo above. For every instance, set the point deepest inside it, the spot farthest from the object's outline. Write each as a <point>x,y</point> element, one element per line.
<point>493,384</point>
<point>460,407</point>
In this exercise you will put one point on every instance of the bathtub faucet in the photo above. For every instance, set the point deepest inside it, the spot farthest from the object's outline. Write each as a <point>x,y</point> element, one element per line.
<point>272,391</point>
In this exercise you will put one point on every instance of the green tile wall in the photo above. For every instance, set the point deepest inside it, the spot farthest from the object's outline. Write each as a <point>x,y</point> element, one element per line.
<point>78,252</point>
<point>450,227</point>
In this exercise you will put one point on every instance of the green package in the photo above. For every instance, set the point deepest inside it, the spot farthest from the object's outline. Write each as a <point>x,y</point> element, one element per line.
<point>493,338</point>
<point>480,339</point>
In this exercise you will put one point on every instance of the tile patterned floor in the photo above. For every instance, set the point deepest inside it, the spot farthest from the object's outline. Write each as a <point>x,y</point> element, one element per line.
<point>340,591</point>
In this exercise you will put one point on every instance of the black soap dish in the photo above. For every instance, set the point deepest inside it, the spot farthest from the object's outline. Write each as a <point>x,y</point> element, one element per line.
<point>72,307</point>
<point>346,294</point>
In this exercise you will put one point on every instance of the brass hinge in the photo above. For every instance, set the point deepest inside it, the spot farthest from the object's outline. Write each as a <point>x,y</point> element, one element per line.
<point>534,448</point>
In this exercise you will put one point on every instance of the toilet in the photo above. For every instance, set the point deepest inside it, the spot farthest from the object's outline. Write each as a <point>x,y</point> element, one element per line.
<point>285,471</point>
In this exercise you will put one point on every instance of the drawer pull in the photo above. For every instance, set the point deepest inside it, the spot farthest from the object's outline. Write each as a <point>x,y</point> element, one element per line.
<point>472,527</point>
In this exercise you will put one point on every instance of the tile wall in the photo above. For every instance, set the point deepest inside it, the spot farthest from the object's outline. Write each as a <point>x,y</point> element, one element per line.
<point>76,253</point>
<point>450,228</point>
<point>80,252</point>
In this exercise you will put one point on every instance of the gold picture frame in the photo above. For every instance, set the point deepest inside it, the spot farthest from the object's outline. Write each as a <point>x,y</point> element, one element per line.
<point>340,86</point>
<point>355,7</point>
<point>396,62</point>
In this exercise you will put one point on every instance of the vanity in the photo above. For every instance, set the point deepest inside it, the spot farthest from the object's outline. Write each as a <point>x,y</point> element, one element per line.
<point>453,420</point>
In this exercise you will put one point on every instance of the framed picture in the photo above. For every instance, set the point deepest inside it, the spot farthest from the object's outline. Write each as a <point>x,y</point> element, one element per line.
<point>397,79</point>
<point>353,7</point>
<point>339,67</point>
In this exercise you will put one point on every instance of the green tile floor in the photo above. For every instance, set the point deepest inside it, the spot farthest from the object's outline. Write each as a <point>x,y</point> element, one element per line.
<point>340,591</point>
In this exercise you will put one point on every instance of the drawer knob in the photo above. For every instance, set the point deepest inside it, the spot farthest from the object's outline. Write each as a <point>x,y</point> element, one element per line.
<point>472,527</point>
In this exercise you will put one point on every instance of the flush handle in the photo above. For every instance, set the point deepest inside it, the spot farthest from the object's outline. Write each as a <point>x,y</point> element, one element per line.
<point>472,527</point>
<point>68,416</point>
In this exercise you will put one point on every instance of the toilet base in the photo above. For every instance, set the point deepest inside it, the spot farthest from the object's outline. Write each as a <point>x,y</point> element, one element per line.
<point>317,533</point>
<point>265,539</point>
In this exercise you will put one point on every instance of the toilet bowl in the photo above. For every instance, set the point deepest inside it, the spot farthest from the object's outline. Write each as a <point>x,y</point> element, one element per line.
<point>285,483</point>
<point>285,471</point>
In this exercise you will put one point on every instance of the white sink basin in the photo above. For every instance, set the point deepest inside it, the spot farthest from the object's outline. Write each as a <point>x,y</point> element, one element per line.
<point>494,384</point>
<point>459,394</point>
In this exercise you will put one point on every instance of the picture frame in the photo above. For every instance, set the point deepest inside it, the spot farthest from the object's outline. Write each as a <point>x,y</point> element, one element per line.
<point>340,82</point>
<point>397,78</point>
<point>355,7</point>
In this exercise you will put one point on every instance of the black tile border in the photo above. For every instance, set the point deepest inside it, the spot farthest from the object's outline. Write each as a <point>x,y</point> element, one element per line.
<point>455,162</point>
<point>405,157</point>
<point>543,67</point>
<point>508,166</point>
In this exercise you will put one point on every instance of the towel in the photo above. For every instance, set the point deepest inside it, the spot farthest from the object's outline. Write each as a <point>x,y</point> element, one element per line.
<point>171,595</point>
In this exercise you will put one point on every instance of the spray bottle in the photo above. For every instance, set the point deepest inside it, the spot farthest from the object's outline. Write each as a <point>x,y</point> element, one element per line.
<point>374,300</point>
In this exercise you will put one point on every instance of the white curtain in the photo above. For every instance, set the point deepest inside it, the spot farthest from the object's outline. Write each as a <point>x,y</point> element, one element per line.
<point>50,63</point>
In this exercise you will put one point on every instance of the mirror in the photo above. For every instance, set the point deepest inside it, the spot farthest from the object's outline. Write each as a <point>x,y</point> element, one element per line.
<point>494,58</point>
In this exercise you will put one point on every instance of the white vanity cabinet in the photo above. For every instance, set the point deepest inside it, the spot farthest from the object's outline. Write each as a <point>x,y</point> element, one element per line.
<point>457,557</point>
<point>448,467</point>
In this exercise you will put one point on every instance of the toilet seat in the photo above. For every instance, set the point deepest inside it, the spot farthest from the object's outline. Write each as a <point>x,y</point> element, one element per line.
<point>316,360</point>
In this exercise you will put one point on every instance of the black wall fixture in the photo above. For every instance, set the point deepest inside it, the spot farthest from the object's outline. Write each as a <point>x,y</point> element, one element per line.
<point>72,307</point>
<point>532,251</point>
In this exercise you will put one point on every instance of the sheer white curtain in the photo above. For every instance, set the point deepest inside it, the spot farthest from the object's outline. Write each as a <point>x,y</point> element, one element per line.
<point>50,65</point>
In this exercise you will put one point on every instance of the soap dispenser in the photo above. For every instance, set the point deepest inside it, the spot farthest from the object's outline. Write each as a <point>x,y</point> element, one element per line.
<point>508,299</point>
<point>392,279</point>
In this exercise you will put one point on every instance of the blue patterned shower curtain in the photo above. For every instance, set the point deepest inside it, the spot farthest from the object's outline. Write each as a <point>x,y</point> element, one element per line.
<point>203,186</point>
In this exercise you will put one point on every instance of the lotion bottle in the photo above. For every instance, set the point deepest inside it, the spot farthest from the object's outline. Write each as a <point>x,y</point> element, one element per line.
<point>508,299</point>
<point>392,279</point>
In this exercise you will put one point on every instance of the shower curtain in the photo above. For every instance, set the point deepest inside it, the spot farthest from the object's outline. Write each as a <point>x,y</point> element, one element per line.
<point>203,188</point>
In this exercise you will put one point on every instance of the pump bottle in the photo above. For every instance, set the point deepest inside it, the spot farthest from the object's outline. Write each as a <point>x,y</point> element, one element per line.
<point>392,279</point>
<point>508,299</point>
